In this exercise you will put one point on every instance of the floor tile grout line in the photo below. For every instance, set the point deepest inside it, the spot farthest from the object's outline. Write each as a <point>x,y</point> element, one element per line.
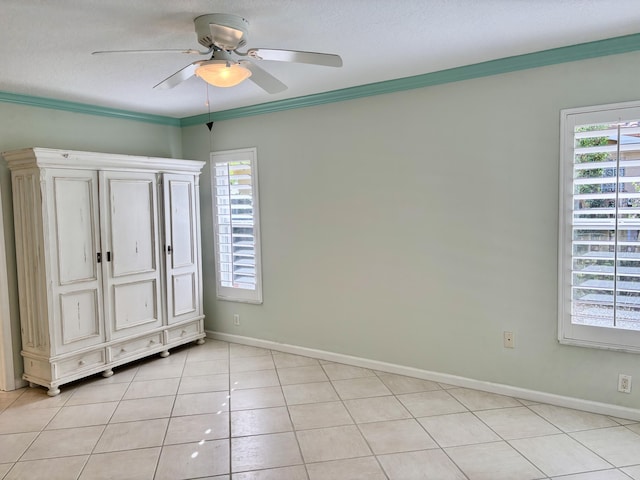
<point>561,431</point>
<point>43,428</point>
<point>164,437</point>
<point>103,430</point>
<point>473,413</point>
<point>295,434</point>
<point>626,427</point>
<point>375,456</point>
<point>590,450</point>
<point>568,434</point>
<point>229,422</point>
<point>545,419</point>
<point>558,435</point>
<point>157,462</point>
<point>504,440</point>
<point>25,451</point>
<point>417,420</point>
<point>508,441</point>
<point>162,447</point>
<point>356,424</point>
<point>28,446</point>
<point>527,458</point>
<point>432,437</point>
<point>295,430</point>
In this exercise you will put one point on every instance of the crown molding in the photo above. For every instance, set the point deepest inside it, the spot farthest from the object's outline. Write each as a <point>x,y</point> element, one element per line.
<point>86,109</point>
<point>572,53</point>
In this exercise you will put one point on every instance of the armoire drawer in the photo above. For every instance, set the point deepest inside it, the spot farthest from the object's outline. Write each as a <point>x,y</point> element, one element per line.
<point>80,362</point>
<point>184,331</point>
<point>135,347</point>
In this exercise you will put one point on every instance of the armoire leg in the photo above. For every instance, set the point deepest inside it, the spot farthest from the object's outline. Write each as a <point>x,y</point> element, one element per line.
<point>53,391</point>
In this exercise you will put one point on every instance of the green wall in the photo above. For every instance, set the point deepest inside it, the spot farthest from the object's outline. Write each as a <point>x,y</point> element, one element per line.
<point>25,126</point>
<point>415,227</point>
<point>411,227</point>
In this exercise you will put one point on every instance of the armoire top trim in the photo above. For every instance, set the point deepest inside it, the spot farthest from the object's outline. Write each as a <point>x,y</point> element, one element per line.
<point>27,158</point>
<point>582,51</point>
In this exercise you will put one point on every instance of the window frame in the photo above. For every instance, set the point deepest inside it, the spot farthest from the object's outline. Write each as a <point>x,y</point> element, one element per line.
<point>237,294</point>
<point>569,333</point>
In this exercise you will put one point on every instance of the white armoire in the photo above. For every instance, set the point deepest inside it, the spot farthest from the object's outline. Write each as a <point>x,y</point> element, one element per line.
<point>108,258</point>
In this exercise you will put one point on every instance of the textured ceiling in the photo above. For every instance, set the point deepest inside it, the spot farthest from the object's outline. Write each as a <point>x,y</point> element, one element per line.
<point>46,45</point>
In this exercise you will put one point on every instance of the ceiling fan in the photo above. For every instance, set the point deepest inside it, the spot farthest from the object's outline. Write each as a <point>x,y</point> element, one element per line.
<point>223,34</point>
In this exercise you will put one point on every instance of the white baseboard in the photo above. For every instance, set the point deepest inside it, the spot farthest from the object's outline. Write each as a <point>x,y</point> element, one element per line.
<point>501,389</point>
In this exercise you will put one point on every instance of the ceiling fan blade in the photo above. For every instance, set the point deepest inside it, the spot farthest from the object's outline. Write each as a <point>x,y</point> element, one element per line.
<point>263,79</point>
<point>178,77</point>
<point>190,51</point>
<point>313,58</point>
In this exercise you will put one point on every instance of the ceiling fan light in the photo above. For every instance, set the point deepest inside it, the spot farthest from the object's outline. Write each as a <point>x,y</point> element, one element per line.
<point>222,73</point>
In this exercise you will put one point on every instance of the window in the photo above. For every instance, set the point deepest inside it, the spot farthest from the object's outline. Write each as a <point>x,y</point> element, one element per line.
<point>237,225</point>
<point>613,172</point>
<point>599,254</point>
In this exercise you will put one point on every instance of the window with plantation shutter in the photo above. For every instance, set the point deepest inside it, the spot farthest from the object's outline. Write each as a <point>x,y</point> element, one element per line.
<point>236,224</point>
<point>599,254</point>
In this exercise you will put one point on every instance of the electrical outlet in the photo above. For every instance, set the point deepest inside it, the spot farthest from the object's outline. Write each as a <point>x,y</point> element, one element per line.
<point>624,383</point>
<point>508,339</point>
<point>236,319</point>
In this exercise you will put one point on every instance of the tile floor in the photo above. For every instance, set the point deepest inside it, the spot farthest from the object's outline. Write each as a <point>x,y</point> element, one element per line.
<point>222,411</point>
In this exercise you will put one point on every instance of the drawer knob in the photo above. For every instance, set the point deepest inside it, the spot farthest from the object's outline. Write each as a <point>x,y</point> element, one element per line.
<point>122,350</point>
<point>81,362</point>
<point>183,333</point>
<point>151,342</point>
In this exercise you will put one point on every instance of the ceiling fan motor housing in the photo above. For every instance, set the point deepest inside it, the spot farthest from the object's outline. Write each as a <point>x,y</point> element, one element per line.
<point>225,31</point>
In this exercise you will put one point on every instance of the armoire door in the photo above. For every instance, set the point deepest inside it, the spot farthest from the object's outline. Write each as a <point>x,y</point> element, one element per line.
<point>129,212</point>
<point>76,269</point>
<point>181,249</point>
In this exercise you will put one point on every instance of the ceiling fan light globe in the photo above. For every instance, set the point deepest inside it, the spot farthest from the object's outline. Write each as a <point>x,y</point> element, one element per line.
<point>222,73</point>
